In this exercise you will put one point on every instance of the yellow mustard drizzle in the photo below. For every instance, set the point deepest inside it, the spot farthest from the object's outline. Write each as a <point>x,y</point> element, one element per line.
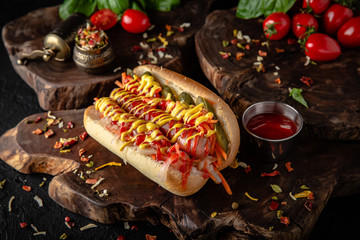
<point>108,108</point>
<point>176,110</point>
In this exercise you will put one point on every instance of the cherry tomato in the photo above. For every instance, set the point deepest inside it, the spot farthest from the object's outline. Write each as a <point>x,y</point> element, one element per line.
<point>301,22</point>
<point>104,19</point>
<point>349,33</point>
<point>321,47</point>
<point>317,6</point>
<point>336,16</point>
<point>135,21</point>
<point>276,25</point>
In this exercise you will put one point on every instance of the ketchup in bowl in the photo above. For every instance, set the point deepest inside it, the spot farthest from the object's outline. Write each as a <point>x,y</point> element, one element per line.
<point>271,126</point>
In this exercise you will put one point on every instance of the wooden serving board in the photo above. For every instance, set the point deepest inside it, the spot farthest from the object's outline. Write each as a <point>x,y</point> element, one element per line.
<point>61,85</point>
<point>328,168</point>
<point>333,98</point>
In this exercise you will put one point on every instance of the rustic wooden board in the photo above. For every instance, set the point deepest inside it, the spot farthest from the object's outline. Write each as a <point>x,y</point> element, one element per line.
<point>333,98</point>
<point>61,85</point>
<point>326,167</point>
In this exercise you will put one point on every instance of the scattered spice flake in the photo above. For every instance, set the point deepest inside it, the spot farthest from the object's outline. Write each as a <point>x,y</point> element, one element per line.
<point>292,196</point>
<point>86,227</point>
<point>84,159</point>
<point>150,237</point>
<point>70,125</point>
<point>274,205</point>
<point>133,227</point>
<point>250,197</point>
<point>40,233</point>
<point>49,133</point>
<point>225,43</point>
<point>275,166</point>
<point>91,181</point>
<point>67,225</point>
<point>272,174</point>
<point>279,213</point>
<point>26,188</point>
<point>104,193</point>
<point>39,200</point>
<point>38,119</point>
<point>260,68</point>
<point>109,164</point>
<point>279,50</point>
<point>240,46</point>
<point>276,188</point>
<point>23,225</point>
<point>239,55</point>
<point>50,115</point>
<point>10,203</point>
<point>63,236</point>
<point>271,228</point>
<point>247,47</point>
<point>97,183</point>
<point>83,136</point>
<point>303,194</point>
<point>126,225</point>
<point>278,81</point>
<point>262,53</point>
<point>81,152</point>
<point>225,55</point>
<point>65,151</point>
<point>38,131</point>
<point>288,167</point>
<point>291,41</point>
<point>121,237</point>
<point>284,203</point>
<point>247,169</point>
<point>308,205</point>
<point>311,196</point>
<point>90,164</point>
<point>2,183</point>
<point>306,80</point>
<point>234,164</point>
<point>213,214</point>
<point>285,220</point>
<point>234,205</point>
<point>304,187</point>
<point>58,145</point>
<point>233,41</point>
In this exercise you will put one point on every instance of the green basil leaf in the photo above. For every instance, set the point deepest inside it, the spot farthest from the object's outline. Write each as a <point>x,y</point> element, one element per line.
<point>117,6</point>
<point>295,93</point>
<point>248,9</point>
<point>162,5</point>
<point>69,7</point>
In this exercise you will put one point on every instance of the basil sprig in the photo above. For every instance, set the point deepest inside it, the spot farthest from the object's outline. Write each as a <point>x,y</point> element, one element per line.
<point>248,9</point>
<point>88,7</point>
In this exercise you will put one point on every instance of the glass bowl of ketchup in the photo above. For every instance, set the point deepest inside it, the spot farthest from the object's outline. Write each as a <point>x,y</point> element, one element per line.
<point>272,127</point>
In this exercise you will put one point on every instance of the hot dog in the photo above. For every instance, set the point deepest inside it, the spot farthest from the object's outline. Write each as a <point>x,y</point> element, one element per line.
<point>176,144</point>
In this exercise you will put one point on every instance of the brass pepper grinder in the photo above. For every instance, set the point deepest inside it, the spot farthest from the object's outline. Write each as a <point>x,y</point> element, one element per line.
<point>58,43</point>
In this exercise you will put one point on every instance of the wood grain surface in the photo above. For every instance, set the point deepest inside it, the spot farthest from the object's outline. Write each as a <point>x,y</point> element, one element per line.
<point>333,171</point>
<point>333,98</point>
<point>61,85</point>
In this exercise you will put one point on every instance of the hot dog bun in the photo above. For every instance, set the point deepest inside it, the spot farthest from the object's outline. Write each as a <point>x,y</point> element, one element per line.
<point>167,177</point>
<point>150,168</point>
<point>179,83</point>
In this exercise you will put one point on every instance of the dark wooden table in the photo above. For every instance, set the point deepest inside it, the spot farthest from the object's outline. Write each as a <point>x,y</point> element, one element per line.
<point>338,220</point>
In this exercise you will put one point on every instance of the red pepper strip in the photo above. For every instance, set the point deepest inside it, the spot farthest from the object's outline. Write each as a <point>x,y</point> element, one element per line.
<point>288,167</point>
<point>272,174</point>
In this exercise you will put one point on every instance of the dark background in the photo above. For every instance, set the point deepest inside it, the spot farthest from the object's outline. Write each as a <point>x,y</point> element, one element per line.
<point>339,219</point>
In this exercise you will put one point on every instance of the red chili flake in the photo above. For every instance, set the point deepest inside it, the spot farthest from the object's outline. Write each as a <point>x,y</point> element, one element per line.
<point>272,174</point>
<point>225,55</point>
<point>278,81</point>
<point>288,167</point>
<point>160,49</point>
<point>284,203</point>
<point>279,50</point>
<point>247,47</point>
<point>274,205</point>
<point>38,131</point>
<point>84,159</point>
<point>291,41</point>
<point>308,81</point>
<point>91,181</point>
<point>38,119</point>
<point>70,125</point>
<point>168,27</point>
<point>308,205</point>
<point>49,133</point>
<point>285,220</point>
<point>69,143</point>
<point>150,237</point>
<point>81,152</point>
<point>26,188</point>
<point>121,237</point>
<point>233,41</point>
<point>262,53</point>
<point>136,48</point>
<point>58,145</point>
<point>239,55</point>
<point>247,169</point>
<point>133,227</point>
<point>83,136</point>
<point>23,225</point>
<point>311,196</point>
<point>67,219</point>
<point>180,29</point>
<point>72,224</point>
